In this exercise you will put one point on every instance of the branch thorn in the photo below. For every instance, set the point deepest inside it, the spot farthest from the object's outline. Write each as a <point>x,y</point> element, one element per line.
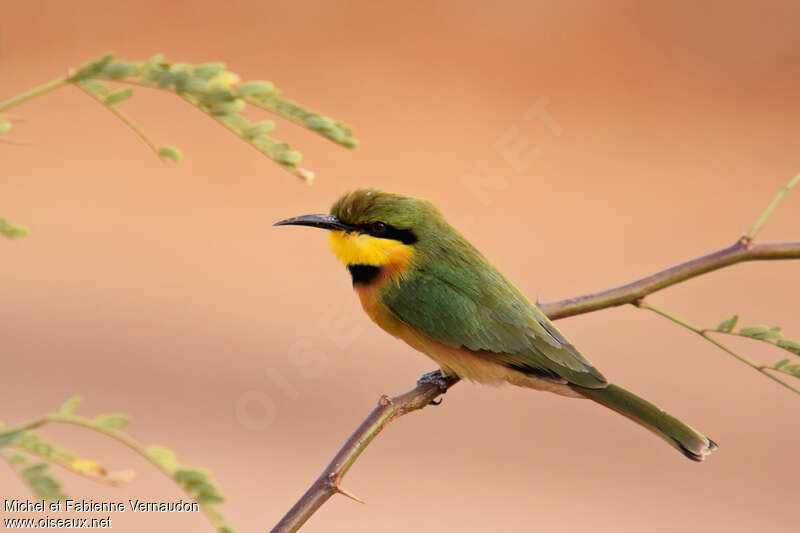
<point>335,482</point>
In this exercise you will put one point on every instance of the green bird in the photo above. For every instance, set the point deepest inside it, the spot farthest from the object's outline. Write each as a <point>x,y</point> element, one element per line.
<point>420,280</point>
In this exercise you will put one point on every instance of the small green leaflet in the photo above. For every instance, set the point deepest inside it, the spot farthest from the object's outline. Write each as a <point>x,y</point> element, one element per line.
<point>70,406</point>
<point>254,87</point>
<point>118,96</point>
<point>792,370</point>
<point>91,69</point>
<point>170,152</point>
<point>761,332</point>
<point>199,485</point>
<point>9,436</point>
<point>38,477</point>
<point>164,457</point>
<point>728,324</point>
<point>9,230</point>
<point>95,87</point>
<point>791,346</point>
<point>111,421</point>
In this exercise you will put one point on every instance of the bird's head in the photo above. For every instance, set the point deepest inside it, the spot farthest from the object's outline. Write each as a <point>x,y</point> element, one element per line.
<point>372,231</point>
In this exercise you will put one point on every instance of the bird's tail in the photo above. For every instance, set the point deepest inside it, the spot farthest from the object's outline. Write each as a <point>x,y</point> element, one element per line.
<point>684,438</point>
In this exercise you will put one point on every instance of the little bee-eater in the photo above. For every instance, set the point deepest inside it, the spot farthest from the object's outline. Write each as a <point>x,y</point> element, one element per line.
<point>422,281</point>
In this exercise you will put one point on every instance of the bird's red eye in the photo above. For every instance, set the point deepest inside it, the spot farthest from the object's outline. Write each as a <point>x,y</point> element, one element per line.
<point>377,228</point>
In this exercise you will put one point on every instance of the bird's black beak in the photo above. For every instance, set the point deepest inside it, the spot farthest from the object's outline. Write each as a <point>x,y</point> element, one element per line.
<point>318,221</point>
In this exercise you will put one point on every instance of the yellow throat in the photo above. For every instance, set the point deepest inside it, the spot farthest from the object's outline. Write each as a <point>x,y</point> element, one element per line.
<point>362,249</point>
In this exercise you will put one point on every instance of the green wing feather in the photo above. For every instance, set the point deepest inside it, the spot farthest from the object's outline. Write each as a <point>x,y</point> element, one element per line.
<point>461,300</point>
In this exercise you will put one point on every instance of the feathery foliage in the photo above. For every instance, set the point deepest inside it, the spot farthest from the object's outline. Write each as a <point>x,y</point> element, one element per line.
<point>26,444</point>
<point>209,87</point>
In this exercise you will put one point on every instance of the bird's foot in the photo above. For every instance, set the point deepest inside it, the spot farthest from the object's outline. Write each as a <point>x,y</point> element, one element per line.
<point>437,378</point>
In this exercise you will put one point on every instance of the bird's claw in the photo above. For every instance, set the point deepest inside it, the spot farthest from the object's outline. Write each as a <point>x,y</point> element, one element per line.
<point>436,378</point>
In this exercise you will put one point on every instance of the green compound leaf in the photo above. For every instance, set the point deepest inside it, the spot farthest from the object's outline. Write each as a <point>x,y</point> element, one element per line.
<point>728,324</point>
<point>170,152</point>
<point>118,96</point>
<point>219,93</point>
<point>10,231</point>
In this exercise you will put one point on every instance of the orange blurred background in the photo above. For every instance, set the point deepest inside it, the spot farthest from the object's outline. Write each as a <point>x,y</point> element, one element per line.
<point>579,145</point>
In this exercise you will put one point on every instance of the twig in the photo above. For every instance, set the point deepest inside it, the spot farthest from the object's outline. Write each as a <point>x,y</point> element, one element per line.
<point>768,211</point>
<point>33,93</point>
<point>329,482</point>
<point>741,251</point>
<point>704,333</point>
<point>18,142</point>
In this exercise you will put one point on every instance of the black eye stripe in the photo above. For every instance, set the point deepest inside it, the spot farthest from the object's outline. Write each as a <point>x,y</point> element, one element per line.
<point>406,236</point>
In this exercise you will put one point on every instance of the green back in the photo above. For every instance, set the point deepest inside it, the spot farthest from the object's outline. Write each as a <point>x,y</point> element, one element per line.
<point>454,295</point>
